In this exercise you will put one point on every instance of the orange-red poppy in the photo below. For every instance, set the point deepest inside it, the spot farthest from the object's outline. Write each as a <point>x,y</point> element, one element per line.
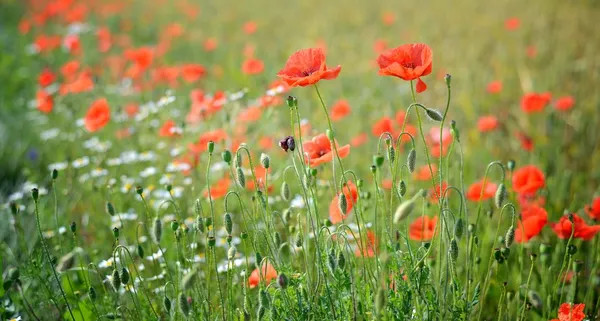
<point>202,144</point>
<point>267,273</point>
<point>487,123</point>
<point>250,27</point>
<point>168,129</point>
<point>535,102</point>
<point>593,210</point>
<point>512,23</point>
<point>438,191</point>
<point>388,18</point>
<point>384,125</point>
<point>253,66</point>
<point>525,140</point>
<point>104,39</point>
<point>97,116</point>
<point>527,200</point>
<point>369,248</point>
<point>351,194</point>
<point>142,57</point>
<point>307,67</point>
<point>46,78</point>
<point>250,114</point>
<point>408,62</point>
<point>44,101</point>
<point>533,220</point>
<point>475,191</point>
<point>210,44</point>
<point>380,45</point>
<point>570,312</point>
<point>359,140</point>
<point>319,150</point>
<point>340,109</point>
<point>564,103</point>
<point>422,228</point>
<point>528,180</point>
<point>219,189</point>
<point>494,87</point>
<point>192,72</point>
<point>579,227</point>
<point>423,173</point>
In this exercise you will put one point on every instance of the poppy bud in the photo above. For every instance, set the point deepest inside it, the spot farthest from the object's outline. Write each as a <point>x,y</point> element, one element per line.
<point>238,160</point>
<point>116,280</point>
<point>313,172</point>
<point>198,207</point>
<point>211,147</point>
<point>282,280</point>
<point>342,203</point>
<point>277,238</point>
<point>578,266</point>
<point>331,261</point>
<point>448,79</point>
<point>411,160</point>
<point>73,227</point>
<point>402,188</point>
<point>174,225</point>
<point>200,224</point>
<point>292,101</point>
<point>497,254</point>
<point>157,230</point>
<point>454,131</point>
<point>211,241</point>
<point>434,114</point>
<point>459,228</point>
<point>244,235</point>
<point>265,160</point>
<point>510,237</point>
<point>535,299</point>
<point>54,174</point>
<point>403,210</point>
<point>231,252</point>
<point>373,169</point>
<point>299,239</point>
<point>35,193</point>
<point>167,304</point>
<point>240,179</point>
<point>124,276</point>
<point>116,232</point>
<point>139,190</point>
<point>260,314</point>
<point>228,221</point>
<point>257,258</point>
<point>92,293</point>
<point>330,135</point>
<point>391,154</point>
<point>291,143</point>
<point>453,250</point>
<point>226,155</point>
<point>140,251</point>
<point>572,249</point>
<point>169,188</point>
<point>378,160</point>
<point>14,208</point>
<point>511,165</point>
<point>184,306</point>
<point>285,191</point>
<point>500,196</point>
<point>505,252</point>
<point>264,299</point>
<point>189,279</point>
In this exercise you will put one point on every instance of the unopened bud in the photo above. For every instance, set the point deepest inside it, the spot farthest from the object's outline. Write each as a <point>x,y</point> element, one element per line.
<point>403,211</point>
<point>343,204</point>
<point>510,237</point>
<point>265,160</point>
<point>378,160</point>
<point>285,191</point>
<point>226,155</point>
<point>35,193</point>
<point>240,179</point>
<point>500,196</point>
<point>54,174</point>
<point>157,230</point>
<point>124,276</point>
<point>434,114</point>
<point>411,160</point>
<point>228,221</point>
<point>292,101</point>
<point>139,190</point>
<point>211,147</point>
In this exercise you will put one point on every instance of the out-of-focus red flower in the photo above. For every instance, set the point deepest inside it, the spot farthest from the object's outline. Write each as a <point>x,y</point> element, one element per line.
<point>340,109</point>
<point>267,273</point>
<point>494,87</point>
<point>219,189</point>
<point>210,44</point>
<point>422,228</point>
<point>46,77</point>
<point>250,27</point>
<point>253,66</point>
<point>581,230</point>
<point>141,57</point>
<point>531,51</point>
<point>306,67</point>
<point>525,140</point>
<point>202,144</point>
<point>533,220</point>
<point>527,200</point>
<point>45,103</point>
<point>169,129</point>
<point>475,191</point>
<point>192,72</point>
<point>370,248</point>
<point>359,140</point>
<point>528,180</point>
<point>487,123</point>
<point>380,45</point>
<point>423,173</point>
<point>438,191</point>
<point>335,214</point>
<point>408,62</point>
<point>319,150</point>
<point>97,116</point>
<point>104,39</point>
<point>535,102</point>
<point>388,18</point>
<point>512,23</point>
<point>593,210</point>
<point>570,312</point>
<point>564,103</point>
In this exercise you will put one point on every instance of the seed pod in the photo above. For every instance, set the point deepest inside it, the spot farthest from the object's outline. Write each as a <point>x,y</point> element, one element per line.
<point>73,227</point>
<point>139,190</point>
<point>459,228</point>
<point>378,160</point>
<point>240,179</point>
<point>285,191</point>
<point>65,262</point>
<point>402,188</point>
<point>261,197</point>
<point>453,250</point>
<point>282,280</point>
<point>391,154</point>
<point>342,204</point>
<point>265,160</point>
<point>54,174</point>
<point>228,221</point>
<point>380,300</point>
<point>411,160</point>
<point>572,249</point>
<point>124,276</point>
<point>140,251</point>
<point>291,143</point>
<point>434,114</point>
<point>116,279</point>
<point>189,279</point>
<point>299,239</point>
<point>226,155</point>
<point>231,252</point>
<point>184,306</point>
<point>403,210</point>
<point>92,293</point>
<point>211,147</point>
<point>110,209</point>
<point>35,194</point>
<point>116,232</point>
<point>167,304</point>
<point>264,299</point>
<point>448,79</point>
<point>157,230</point>
<point>500,196</point>
<point>510,236</point>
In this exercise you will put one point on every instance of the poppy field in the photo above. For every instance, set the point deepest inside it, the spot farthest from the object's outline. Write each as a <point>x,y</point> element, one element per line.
<point>306,160</point>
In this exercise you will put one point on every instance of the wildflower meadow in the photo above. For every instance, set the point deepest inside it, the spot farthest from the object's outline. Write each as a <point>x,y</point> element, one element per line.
<point>299,160</point>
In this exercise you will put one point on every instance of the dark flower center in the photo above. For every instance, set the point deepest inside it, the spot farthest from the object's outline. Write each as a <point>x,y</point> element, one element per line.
<point>408,64</point>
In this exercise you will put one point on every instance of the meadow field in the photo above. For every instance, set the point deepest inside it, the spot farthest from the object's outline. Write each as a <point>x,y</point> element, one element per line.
<point>299,160</point>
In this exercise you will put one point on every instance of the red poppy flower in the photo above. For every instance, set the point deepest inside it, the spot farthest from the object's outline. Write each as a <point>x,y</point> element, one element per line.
<point>369,249</point>
<point>438,191</point>
<point>72,44</point>
<point>581,229</point>
<point>423,173</point>
<point>319,150</point>
<point>351,194</point>
<point>564,103</point>
<point>267,273</point>
<point>380,45</point>
<point>306,67</point>
<point>210,44</point>
<point>512,24</point>
<point>535,102</point>
<point>192,72</point>
<point>219,189</point>
<point>533,220</point>
<point>494,87</point>
<point>250,27</point>
<point>408,62</point>
<point>169,129</point>
<point>202,144</point>
<point>474,192</point>
<point>359,139</point>
<point>528,180</point>
<point>570,312</point>
<point>531,51</point>
<point>131,110</point>
<point>388,18</point>
<point>384,125</point>
<point>249,115</point>
<point>104,39</point>
<point>593,210</point>
<point>422,228</point>
<point>260,173</point>
<point>528,200</point>
<point>253,66</point>
<point>526,141</point>
<point>487,123</point>
<point>46,77</point>
<point>142,57</point>
<point>340,109</point>
<point>97,116</point>
<point>44,101</point>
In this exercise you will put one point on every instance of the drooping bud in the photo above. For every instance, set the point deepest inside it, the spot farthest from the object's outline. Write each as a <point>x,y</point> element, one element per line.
<point>343,203</point>
<point>240,179</point>
<point>500,196</point>
<point>264,299</point>
<point>411,160</point>
<point>238,159</point>
<point>453,250</point>
<point>116,279</point>
<point>341,260</point>
<point>265,160</point>
<point>189,279</point>
<point>200,224</point>
<point>228,222</point>
<point>299,239</point>
<point>403,210</point>
<point>92,293</point>
<point>285,191</point>
<point>258,258</point>
<point>459,228</point>
<point>184,306</point>
<point>510,236</point>
<point>157,230</point>
<point>124,276</point>
<point>535,300</point>
<point>391,154</point>
<point>167,304</point>
<point>402,188</point>
<point>231,252</point>
<point>434,114</point>
<point>282,281</point>
<point>331,261</point>
<point>140,251</point>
